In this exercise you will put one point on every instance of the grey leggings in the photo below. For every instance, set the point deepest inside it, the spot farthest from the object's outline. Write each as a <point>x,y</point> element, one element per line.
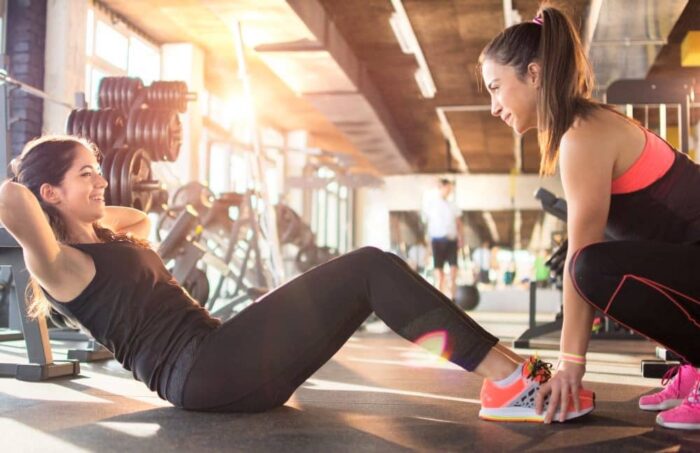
<point>256,360</point>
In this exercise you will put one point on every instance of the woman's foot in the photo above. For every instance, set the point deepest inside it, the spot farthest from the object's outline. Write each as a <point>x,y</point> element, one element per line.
<point>686,415</point>
<point>513,399</point>
<point>678,382</point>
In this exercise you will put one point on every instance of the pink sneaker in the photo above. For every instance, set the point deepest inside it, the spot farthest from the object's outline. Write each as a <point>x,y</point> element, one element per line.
<point>675,390</point>
<point>685,416</point>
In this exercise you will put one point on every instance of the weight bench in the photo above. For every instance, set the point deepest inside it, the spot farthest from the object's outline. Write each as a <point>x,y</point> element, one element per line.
<point>41,365</point>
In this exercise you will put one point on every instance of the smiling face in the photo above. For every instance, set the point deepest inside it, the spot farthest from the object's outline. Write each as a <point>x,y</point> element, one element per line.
<point>80,195</point>
<point>513,99</point>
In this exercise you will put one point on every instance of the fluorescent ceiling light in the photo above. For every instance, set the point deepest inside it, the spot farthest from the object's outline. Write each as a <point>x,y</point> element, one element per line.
<point>404,33</point>
<point>425,82</point>
<point>401,25</point>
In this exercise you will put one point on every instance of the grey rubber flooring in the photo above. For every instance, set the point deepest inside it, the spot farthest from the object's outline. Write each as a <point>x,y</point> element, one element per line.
<point>379,393</point>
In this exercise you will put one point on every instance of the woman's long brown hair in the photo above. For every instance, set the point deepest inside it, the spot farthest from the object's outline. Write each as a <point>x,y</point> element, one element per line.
<point>566,77</point>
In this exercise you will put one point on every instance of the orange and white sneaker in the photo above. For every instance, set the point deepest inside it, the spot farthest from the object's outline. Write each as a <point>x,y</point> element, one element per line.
<point>516,402</point>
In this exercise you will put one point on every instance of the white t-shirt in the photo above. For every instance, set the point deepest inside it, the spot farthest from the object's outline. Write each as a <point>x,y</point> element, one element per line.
<point>441,215</point>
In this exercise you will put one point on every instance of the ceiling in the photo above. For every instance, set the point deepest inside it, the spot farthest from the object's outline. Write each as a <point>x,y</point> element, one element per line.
<point>369,104</point>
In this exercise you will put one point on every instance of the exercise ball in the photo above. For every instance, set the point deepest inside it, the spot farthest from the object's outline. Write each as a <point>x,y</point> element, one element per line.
<point>467,297</point>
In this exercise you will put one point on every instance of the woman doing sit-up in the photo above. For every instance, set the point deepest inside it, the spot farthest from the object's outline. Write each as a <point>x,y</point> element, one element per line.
<point>619,179</point>
<point>89,263</point>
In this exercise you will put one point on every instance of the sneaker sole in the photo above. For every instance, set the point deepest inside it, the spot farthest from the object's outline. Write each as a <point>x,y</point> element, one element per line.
<point>524,414</point>
<point>662,406</point>
<point>675,425</point>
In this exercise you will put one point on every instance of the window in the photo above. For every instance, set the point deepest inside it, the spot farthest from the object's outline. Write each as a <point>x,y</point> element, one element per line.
<point>111,46</point>
<point>144,60</point>
<point>115,50</point>
<point>331,214</point>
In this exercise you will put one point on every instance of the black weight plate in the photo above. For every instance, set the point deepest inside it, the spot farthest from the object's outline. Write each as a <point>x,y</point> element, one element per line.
<point>131,128</point>
<point>125,179</point>
<point>149,125</point>
<point>135,90</point>
<point>161,96</point>
<point>106,129</point>
<point>106,164</point>
<point>114,92</point>
<point>174,96</point>
<point>172,147</point>
<point>102,94</point>
<point>141,123</point>
<point>118,124</point>
<point>164,136</point>
<point>85,125</point>
<point>116,95</point>
<point>77,122</point>
<point>152,133</point>
<point>140,172</point>
<point>115,176</point>
<point>149,95</point>
<point>109,91</point>
<point>135,168</point>
<point>118,92</point>
<point>70,121</point>
<point>101,132</point>
<point>138,129</point>
<point>160,135</point>
<point>153,95</point>
<point>92,131</point>
<point>125,94</point>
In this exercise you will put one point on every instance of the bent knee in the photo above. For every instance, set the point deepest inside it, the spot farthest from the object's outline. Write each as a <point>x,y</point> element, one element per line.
<point>367,254</point>
<point>369,250</point>
<point>591,268</point>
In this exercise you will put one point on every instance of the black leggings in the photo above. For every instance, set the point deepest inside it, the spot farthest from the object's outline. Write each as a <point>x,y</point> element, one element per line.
<point>256,360</point>
<point>650,287</point>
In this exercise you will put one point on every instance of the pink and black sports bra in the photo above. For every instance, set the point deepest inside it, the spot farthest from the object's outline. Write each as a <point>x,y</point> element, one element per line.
<point>656,159</point>
<point>657,198</point>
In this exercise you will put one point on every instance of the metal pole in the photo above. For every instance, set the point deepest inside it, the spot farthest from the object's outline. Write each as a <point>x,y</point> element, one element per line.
<point>5,149</point>
<point>268,219</point>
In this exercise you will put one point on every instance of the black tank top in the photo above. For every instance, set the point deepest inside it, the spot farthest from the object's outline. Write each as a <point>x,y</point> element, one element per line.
<point>135,308</point>
<point>668,210</point>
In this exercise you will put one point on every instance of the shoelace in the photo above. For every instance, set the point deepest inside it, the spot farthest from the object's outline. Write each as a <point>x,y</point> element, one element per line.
<point>674,371</point>
<point>538,370</point>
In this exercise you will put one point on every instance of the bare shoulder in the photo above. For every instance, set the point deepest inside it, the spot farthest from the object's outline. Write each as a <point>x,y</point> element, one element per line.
<point>593,140</point>
<point>586,162</point>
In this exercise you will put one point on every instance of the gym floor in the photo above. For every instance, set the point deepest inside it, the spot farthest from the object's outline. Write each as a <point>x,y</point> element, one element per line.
<point>379,393</point>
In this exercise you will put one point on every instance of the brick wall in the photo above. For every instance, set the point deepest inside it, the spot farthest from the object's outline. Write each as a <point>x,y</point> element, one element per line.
<point>26,38</point>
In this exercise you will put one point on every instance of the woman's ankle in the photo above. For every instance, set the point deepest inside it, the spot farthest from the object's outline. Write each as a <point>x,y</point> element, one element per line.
<point>497,365</point>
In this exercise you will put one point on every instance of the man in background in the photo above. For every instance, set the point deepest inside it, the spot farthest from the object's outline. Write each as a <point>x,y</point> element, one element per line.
<point>445,232</point>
